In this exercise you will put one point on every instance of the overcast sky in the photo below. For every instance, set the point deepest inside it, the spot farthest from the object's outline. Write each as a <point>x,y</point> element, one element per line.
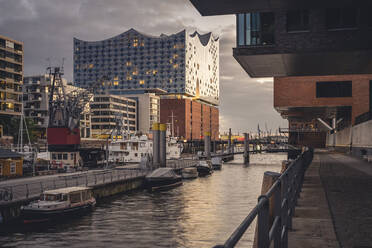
<point>47,28</point>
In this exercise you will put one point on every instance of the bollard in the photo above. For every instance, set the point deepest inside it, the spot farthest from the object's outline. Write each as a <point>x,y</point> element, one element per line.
<point>215,146</point>
<point>163,145</point>
<point>246,148</point>
<point>207,145</point>
<point>269,179</point>
<point>223,147</point>
<point>155,145</point>
<point>229,142</point>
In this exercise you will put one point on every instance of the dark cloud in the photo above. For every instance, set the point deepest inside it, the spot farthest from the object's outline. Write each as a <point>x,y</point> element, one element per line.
<point>47,28</point>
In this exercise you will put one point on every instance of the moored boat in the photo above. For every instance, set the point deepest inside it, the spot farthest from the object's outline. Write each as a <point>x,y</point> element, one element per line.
<point>162,179</point>
<point>58,204</point>
<point>189,173</point>
<point>216,163</point>
<point>204,168</point>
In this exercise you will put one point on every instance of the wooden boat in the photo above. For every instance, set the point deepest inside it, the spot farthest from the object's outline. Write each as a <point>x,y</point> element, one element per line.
<point>189,173</point>
<point>162,179</point>
<point>59,203</point>
<point>204,168</point>
<point>216,163</point>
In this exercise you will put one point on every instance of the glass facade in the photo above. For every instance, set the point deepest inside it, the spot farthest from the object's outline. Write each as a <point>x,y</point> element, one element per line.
<point>255,29</point>
<point>132,62</point>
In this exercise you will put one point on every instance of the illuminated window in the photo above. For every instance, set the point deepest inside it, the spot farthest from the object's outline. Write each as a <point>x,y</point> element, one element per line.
<point>175,66</point>
<point>170,61</point>
<point>135,72</point>
<point>116,78</point>
<point>175,56</point>
<point>170,80</point>
<point>129,63</point>
<point>116,83</point>
<point>142,82</point>
<point>90,65</point>
<point>154,72</point>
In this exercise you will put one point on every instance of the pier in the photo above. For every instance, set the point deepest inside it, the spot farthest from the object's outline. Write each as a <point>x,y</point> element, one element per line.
<point>18,192</point>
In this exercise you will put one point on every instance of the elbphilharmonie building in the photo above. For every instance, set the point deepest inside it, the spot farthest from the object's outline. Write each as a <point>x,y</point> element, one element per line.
<point>181,64</point>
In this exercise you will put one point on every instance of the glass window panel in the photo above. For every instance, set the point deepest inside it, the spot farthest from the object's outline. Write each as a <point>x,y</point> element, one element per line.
<point>240,29</point>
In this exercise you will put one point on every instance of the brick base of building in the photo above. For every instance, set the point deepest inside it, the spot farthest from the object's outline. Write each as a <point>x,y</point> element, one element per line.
<point>191,118</point>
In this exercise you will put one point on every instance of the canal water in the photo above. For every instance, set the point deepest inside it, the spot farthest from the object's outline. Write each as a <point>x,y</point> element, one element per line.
<point>201,213</point>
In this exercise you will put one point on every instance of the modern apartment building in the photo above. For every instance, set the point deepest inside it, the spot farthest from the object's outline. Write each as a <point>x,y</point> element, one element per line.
<point>107,110</point>
<point>36,103</point>
<point>148,110</point>
<point>11,76</point>
<point>319,53</point>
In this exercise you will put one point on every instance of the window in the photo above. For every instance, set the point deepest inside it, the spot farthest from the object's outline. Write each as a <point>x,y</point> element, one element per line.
<point>341,18</point>
<point>13,168</point>
<point>60,156</point>
<point>65,156</point>
<point>75,197</point>
<point>334,89</point>
<point>255,29</point>
<point>298,20</point>
<point>54,157</point>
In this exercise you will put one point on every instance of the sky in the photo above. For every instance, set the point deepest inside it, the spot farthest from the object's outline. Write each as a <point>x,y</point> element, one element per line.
<point>47,28</point>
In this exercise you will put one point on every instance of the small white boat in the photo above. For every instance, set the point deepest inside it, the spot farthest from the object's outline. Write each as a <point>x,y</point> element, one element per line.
<point>162,179</point>
<point>59,204</point>
<point>188,173</point>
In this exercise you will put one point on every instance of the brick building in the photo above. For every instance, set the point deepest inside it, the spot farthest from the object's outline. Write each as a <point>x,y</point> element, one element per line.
<point>319,53</point>
<point>191,118</point>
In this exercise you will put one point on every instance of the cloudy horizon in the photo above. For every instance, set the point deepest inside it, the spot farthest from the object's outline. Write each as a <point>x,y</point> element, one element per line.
<point>47,28</point>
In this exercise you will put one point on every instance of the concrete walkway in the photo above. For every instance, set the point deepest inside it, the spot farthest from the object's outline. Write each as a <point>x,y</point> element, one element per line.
<point>312,223</point>
<point>348,185</point>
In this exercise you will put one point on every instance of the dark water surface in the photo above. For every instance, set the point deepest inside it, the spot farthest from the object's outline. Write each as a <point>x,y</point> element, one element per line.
<point>201,213</point>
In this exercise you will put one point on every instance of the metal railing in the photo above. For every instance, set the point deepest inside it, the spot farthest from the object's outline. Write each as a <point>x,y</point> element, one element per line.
<point>25,191</point>
<point>31,190</point>
<point>285,192</point>
<point>180,164</point>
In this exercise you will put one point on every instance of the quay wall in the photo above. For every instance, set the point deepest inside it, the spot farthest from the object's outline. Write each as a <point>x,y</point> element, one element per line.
<point>10,212</point>
<point>356,140</point>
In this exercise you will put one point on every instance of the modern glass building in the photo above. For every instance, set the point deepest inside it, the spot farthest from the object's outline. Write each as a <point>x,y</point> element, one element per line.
<point>181,64</point>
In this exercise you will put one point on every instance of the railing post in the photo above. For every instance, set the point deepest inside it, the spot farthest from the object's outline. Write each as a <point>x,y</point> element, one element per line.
<point>111,176</point>
<point>277,213</point>
<point>41,187</point>
<point>77,181</point>
<point>86,179</point>
<point>54,183</point>
<point>284,212</point>
<point>66,182</point>
<point>95,179</point>
<point>27,191</point>
<point>263,223</point>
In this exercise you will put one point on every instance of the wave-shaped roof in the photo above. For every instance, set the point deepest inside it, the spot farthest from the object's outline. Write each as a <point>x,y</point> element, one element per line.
<point>204,38</point>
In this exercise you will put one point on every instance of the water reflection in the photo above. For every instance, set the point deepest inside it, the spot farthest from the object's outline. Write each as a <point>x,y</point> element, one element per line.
<point>201,213</point>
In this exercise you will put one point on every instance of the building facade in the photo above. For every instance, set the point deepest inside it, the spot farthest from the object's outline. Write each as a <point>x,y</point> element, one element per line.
<point>191,119</point>
<point>107,110</point>
<point>36,103</point>
<point>11,76</point>
<point>180,64</point>
<point>148,110</point>
<point>319,53</point>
